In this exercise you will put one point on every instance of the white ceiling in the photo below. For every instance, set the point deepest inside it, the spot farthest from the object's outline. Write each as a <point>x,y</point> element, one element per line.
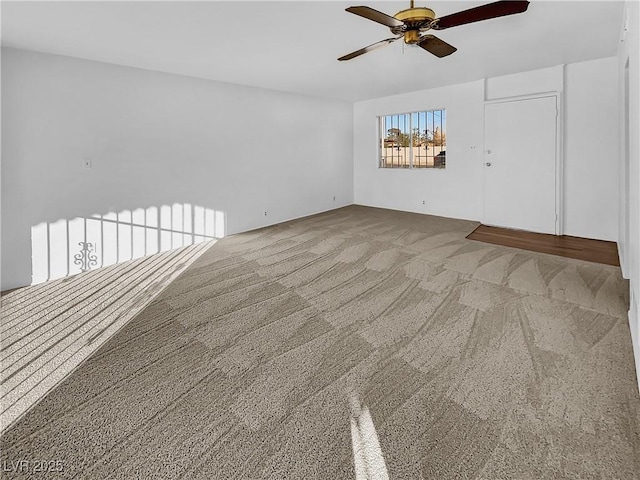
<point>293,45</point>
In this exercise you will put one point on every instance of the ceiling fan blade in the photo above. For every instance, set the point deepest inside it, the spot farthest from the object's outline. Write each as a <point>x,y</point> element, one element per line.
<point>483,12</point>
<point>373,46</point>
<point>436,46</point>
<point>376,16</point>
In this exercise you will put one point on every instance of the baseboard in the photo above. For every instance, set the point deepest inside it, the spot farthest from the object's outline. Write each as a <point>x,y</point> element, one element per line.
<point>634,326</point>
<point>623,261</point>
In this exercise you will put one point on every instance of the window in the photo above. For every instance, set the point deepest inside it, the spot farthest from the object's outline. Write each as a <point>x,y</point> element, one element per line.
<point>413,140</point>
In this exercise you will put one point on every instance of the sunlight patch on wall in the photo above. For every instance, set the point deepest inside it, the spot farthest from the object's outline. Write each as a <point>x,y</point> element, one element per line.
<point>68,247</point>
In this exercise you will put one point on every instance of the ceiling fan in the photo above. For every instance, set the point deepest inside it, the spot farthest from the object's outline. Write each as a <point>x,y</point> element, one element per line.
<point>411,23</point>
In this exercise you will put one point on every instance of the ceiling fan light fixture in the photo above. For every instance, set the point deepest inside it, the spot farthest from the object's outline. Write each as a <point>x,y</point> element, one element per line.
<point>411,37</point>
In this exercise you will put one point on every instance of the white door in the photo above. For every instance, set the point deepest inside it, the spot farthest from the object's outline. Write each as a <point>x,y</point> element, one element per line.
<point>520,164</point>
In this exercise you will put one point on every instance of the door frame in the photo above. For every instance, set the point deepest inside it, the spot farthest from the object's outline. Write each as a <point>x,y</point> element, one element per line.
<point>624,178</point>
<point>559,160</point>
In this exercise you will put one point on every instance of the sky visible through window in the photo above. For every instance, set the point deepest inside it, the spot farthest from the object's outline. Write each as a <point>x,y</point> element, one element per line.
<point>421,120</point>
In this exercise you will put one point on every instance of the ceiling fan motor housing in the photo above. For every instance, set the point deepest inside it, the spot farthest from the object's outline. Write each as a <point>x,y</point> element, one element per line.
<point>415,20</point>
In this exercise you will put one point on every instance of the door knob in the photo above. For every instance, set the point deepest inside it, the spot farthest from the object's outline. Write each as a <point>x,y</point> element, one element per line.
<point>488,164</point>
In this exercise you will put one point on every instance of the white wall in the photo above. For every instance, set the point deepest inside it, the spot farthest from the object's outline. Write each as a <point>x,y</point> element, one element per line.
<point>590,150</point>
<point>524,83</point>
<point>158,140</point>
<point>452,192</point>
<point>630,205</point>
<point>590,173</point>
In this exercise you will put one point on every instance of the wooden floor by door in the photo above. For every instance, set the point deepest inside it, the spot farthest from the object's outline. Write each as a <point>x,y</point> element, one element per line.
<point>520,164</point>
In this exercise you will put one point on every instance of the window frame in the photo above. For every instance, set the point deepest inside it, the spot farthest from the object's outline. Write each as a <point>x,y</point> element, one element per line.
<point>381,134</point>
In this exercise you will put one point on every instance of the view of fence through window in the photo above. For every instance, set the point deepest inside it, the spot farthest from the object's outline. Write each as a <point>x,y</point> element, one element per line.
<point>413,140</point>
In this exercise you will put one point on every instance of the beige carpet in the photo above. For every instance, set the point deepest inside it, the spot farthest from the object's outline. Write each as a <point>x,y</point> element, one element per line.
<point>360,343</point>
<point>47,330</point>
